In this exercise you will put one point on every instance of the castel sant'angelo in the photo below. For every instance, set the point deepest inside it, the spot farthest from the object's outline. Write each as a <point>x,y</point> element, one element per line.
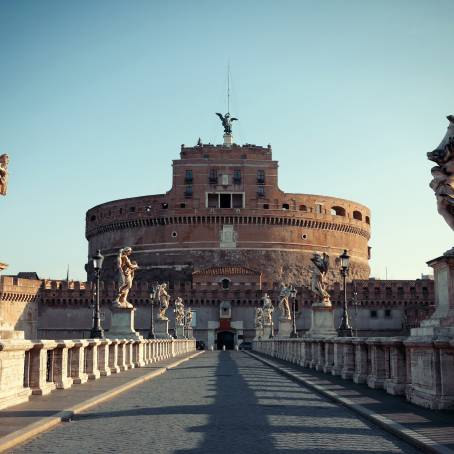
<point>226,209</point>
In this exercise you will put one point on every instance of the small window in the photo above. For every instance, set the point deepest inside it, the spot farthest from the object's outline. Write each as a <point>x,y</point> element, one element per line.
<point>318,208</point>
<point>225,200</point>
<point>225,283</point>
<point>373,314</point>
<point>260,177</point>
<point>132,209</point>
<point>92,218</point>
<point>337,211</point>
<point>260,191</point>
<point>174,234</point>
<point>266,206</point>
<point>357,215</point>
<point>188,176</point>
<point>304,236</point>
<point>237,176</point>
<point>188,192</point>
<point>367,220</point>
<point>182,205</point>
<point>285,206</point>
<point>213,200</point>
<point>303,208</point>
<point>213,177</point>
<point>387,313</point>
<point>237,200</point>
<point>164,205</point>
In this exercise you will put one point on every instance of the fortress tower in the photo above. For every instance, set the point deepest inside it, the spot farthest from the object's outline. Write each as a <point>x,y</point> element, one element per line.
<point>225,209</point>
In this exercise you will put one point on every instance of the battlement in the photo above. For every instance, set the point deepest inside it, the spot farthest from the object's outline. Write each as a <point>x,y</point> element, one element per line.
<point>234,152</point>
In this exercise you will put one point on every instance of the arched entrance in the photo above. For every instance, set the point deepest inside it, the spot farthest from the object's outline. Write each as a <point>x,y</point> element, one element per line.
<point>226,338</point>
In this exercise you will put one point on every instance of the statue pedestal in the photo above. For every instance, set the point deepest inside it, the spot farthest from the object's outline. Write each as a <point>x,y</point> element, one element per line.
<point>161,329</point>
<point>122,326</point>
<point>179,332</point>
<point>285,328</point>
<point>259,333</point>
<point>189,333</point>
<point>228,140</point>
<point>322,321</point>
<point>441,323</point>
<point>267,331</point>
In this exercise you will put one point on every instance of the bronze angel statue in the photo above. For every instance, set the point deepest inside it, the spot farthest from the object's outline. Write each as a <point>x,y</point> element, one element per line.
<point>226,122</point>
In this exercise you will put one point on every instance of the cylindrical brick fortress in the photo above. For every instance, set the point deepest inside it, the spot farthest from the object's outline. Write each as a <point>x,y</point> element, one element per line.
<point>225,209</point>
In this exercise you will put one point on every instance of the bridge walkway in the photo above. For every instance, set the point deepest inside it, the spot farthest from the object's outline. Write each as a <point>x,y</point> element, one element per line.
<point>219,402</point>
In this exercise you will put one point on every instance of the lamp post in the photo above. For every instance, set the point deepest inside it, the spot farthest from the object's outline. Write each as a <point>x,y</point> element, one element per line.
<point>345,329</point>
<point>151,334</point>
<point>293,292</point>
<point>96,330</point>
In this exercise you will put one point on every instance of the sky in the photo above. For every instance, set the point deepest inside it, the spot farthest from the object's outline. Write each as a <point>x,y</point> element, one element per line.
<point>96,97</point>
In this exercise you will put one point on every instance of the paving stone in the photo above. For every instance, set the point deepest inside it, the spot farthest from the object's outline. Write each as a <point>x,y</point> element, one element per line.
<point>220,402</point>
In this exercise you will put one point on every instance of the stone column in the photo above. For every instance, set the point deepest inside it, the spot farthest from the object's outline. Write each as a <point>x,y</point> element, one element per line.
<point>41,367</point>
<point>91,359</point>
<point>121,355</point>
<point>103,357</point>
<point>113,357</point>
<point>361,361</point>
<point>77,362</point>
<point>348,366</point>
<point>62,369</point>
<point>377,377</point>
<point>338,357</point>
<point>329,356</point>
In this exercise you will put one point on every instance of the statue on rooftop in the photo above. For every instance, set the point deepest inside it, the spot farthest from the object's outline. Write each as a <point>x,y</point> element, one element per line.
<point>443,174</point>
<point>126,269</point>
<point>318,285</point>
<point>226,122</point>
<point>4,159</point>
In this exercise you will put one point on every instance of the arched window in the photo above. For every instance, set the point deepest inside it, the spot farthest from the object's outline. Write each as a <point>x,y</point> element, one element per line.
<point>285,206</point>
<point>303,208</point>
<point>367,220</point>
<point>357,215</point>
<point>225,283</point>
<point>337,211</point>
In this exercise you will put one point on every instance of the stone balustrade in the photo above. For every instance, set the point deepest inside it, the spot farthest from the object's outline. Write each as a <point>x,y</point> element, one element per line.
<point>421,369</point>
<point>38,367</point>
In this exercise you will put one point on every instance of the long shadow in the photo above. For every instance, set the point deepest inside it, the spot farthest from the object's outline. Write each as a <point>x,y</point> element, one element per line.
<point>234,425</point>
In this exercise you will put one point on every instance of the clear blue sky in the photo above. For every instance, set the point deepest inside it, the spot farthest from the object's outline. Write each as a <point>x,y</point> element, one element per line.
<point>97,96</point>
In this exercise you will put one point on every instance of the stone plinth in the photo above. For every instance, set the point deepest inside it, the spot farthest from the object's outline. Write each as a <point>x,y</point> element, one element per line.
<point>441,323</point>
<point>259,333</point>
<point>322,321</point>
<point>285,328</point>
<point>267,332</point>
<point>189,333</point>
<point>122,325</point>
<point>12,358</point>
<point>161,329</point>
<point>179,332</point>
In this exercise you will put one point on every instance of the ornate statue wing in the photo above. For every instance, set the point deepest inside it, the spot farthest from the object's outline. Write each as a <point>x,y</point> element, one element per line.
<point>234,119</point>
<point>220,116</point>
<point>325,261</point>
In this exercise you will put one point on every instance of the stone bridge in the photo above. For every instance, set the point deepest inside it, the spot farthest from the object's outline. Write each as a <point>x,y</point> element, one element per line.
<point>162,396</point>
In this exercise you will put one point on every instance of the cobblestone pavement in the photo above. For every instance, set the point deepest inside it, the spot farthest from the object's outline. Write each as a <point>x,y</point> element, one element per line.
<point>220,402</point>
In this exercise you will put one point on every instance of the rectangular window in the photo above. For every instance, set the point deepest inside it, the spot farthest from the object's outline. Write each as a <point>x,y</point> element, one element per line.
<point>373,314</point>
<point>388,313</point>
<point>260,191</point>
<point>237,176</point>
<point>188,177</point>
<point>260,177</point>
<point>225,200</point>
<point>213,200</point>
<point>237,200</point>
<point>213,177</point>
<point>318,208</point>
<point>188,192</point>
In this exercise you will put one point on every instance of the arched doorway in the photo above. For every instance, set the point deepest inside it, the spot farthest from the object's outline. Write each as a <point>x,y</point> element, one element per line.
<point>226,338</point>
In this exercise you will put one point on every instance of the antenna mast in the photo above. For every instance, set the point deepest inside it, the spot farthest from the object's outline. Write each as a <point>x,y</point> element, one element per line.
<point>228,88</point>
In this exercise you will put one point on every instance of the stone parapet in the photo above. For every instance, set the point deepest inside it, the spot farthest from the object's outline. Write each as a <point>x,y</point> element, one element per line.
<point>39,367</point>
<point>418,368</point>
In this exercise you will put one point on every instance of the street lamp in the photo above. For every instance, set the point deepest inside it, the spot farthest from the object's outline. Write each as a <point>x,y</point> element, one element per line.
<point>151,334</point>
<point>96,331</point>
<point>293,292</point>
<point>345,329</point>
